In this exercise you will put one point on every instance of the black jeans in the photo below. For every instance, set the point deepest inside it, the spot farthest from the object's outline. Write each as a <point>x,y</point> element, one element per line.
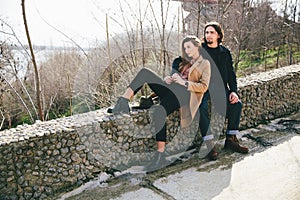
<point>233,115</point>
<point>172,97</point>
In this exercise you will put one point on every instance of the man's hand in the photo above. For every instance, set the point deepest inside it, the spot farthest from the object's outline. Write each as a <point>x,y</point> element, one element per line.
<point>233,98</point>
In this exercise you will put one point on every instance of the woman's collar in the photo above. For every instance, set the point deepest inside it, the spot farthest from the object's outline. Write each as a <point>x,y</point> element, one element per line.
<point>199,59</point>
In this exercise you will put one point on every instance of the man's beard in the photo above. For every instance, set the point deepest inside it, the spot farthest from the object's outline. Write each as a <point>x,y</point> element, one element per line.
<point>209,42</point>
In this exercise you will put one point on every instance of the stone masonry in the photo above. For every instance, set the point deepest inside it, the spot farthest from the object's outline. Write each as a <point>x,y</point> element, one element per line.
<point>42,160</point>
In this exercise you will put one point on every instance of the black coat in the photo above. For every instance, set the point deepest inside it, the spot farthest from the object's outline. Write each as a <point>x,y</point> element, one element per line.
<point>221,61</point>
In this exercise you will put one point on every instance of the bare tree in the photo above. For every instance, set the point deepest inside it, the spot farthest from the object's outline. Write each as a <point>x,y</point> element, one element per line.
<point>58,74</point>
<point>283,33</point>
<point>149,40</point>
<point>36,71</point>
<point>294,33</point>
<point>8,60</point>
<point>240,32</point>
<point>112,77</point>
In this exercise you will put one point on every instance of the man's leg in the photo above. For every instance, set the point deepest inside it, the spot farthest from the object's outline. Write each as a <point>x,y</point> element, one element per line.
<point>233,115</point>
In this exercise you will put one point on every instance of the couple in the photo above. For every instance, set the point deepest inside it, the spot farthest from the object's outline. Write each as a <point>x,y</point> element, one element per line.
<point>187,89</point>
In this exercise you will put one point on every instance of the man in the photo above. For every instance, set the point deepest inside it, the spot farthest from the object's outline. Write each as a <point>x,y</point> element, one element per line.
<point>221,58</point>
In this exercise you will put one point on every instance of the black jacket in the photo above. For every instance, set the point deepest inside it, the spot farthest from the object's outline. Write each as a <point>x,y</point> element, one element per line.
<point>221,59</point>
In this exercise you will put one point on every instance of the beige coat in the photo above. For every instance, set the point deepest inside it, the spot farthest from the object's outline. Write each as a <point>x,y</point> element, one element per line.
<point>198,79</point>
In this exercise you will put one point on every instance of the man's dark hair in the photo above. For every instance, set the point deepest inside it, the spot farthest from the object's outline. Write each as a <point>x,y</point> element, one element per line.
<point>218,28</point>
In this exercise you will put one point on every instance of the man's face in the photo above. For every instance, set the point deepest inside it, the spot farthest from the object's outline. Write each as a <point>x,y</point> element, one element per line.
<point>211,35</point>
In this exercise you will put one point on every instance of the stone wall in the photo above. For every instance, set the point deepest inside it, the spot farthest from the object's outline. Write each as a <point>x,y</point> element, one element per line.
<point>269,95</point>
<point>41,160</point>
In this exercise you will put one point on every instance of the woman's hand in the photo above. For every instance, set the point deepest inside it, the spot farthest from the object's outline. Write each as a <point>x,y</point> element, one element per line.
<point>177,79</point>
<point>168,79</point>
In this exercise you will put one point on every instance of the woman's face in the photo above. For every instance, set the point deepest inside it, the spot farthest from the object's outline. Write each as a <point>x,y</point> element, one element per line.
<point>191,50</point>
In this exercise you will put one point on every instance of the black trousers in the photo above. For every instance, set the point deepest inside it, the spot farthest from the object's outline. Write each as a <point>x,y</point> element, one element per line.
<point>172,97</point>
<point>233,115</point>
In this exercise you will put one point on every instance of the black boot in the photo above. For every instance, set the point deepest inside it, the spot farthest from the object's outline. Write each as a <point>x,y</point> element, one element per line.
<point>159,161</point>
<point>120,107</point>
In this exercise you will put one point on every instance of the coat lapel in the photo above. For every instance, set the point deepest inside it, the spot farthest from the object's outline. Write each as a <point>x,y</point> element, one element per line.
<point>197,63</point>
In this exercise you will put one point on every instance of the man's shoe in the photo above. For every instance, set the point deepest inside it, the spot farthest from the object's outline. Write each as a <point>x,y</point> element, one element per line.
<point>213,154</point>
<point>159,161</point>
<point>120,107</point>
<point>232,143</point>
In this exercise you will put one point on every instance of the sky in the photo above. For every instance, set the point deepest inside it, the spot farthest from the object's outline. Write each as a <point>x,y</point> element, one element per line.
<point>82,20</point>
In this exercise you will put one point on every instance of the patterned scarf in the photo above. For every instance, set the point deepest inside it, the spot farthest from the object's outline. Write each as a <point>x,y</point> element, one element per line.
<point>185,70</point>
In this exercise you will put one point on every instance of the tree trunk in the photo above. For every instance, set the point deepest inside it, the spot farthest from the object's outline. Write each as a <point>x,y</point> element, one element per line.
<point>38,90</point>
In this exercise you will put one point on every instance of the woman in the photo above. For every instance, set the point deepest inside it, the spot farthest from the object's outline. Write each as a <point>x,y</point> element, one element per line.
<point>183,89</point>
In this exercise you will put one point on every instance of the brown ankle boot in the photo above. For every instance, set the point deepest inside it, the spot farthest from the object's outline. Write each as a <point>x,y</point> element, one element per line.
<point>213,154</point>
<point>232,143</point>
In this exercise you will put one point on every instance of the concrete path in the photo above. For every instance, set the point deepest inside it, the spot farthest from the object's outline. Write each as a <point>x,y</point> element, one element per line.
<point>271,172</point>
